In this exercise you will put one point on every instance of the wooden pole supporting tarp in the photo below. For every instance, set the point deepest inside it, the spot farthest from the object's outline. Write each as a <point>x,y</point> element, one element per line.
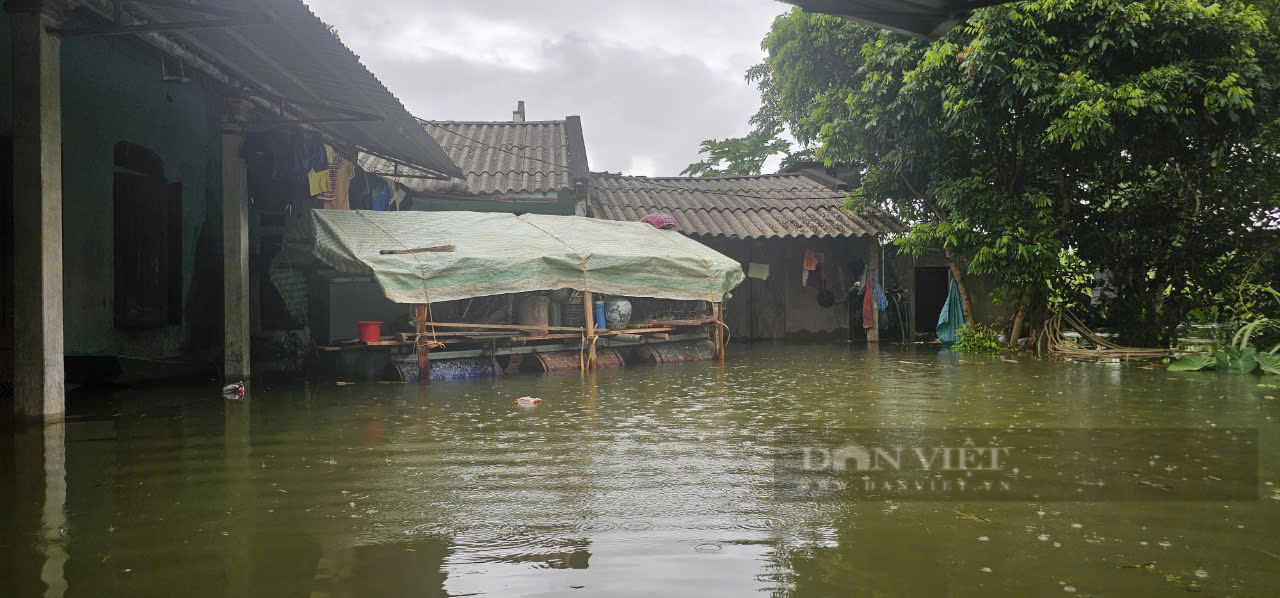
<point>424,349</point>
<point>719,331</point>
<point>590,331</point>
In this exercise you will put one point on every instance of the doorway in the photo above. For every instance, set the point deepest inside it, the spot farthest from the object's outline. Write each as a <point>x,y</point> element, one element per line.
<point>6,266</point>
<point>932,284</point>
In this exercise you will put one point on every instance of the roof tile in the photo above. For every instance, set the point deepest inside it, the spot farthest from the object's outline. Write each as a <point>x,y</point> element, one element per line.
<point>500,157</point>
<point>746,207</point>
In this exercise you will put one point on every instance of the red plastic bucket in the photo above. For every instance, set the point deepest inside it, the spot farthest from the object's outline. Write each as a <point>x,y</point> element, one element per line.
<point>369,331</point>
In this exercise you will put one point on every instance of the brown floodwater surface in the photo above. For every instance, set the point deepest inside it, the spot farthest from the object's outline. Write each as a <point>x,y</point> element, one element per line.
<point>648,481</point>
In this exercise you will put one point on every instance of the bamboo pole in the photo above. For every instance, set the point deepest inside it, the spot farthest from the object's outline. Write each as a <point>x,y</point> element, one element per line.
<point>719,332</point>
<point>588,310</point>
<point>424,349</point>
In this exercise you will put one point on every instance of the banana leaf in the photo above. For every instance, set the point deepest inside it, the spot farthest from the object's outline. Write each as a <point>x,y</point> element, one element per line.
<point>1192,363</point>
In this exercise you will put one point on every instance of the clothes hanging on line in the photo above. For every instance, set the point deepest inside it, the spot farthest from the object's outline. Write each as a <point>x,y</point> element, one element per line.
<point>310,152</point>
<point>318,182</point>
<point>397,195</point>
<point>324,183</point>
<point>343,171</point>
<point>380,194</point>
<point>814,279</point>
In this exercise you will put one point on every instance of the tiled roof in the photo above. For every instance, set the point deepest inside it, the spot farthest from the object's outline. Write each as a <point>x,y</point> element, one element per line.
<point>503,157</point>
<point>745,207</point>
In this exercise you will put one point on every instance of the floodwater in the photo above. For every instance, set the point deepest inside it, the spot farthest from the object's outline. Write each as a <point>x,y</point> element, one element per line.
<point>651,481</point>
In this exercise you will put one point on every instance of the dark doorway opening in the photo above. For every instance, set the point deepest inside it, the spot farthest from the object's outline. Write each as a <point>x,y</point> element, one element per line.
<point>6,266</point>
<point>931,294</point>
<point>147,220</point>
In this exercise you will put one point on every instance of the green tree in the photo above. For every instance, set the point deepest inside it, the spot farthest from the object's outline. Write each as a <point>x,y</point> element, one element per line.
<point>1138,136</point>
<point>738,156</point>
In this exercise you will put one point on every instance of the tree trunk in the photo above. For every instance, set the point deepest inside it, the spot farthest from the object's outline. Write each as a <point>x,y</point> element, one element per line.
<point>965,302</point>
<point>1018,319</point>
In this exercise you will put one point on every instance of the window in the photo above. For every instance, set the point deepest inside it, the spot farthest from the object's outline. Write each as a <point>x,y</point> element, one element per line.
<point>148,241</point>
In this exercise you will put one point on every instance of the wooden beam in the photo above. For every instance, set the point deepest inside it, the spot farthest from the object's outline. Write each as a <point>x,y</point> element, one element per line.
<point>503,326</point>
<point>424,350</point>
<point>432,249</point>
<point>636,330</point>
<point>530,349</point>
<point>694,322</point>
<point>718,309</point>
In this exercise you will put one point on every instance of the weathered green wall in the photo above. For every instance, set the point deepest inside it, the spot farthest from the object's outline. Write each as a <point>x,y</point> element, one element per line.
<point>562,206</point>
<point>112,91</point>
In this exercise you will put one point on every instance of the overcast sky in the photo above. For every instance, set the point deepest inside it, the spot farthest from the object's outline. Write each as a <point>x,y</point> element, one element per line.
<point>651,79</point>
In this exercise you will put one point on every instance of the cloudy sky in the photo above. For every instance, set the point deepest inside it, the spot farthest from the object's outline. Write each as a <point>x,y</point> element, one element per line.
<point>650,78</point>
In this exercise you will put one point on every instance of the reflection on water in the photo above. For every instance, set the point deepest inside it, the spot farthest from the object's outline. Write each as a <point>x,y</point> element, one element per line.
<point>646,481</point>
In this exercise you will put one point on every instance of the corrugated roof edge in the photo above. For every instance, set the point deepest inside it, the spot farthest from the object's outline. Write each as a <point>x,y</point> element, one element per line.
<point>457,172</point>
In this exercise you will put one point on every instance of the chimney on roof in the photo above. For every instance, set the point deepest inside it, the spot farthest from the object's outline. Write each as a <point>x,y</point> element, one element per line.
<point>517,115</point>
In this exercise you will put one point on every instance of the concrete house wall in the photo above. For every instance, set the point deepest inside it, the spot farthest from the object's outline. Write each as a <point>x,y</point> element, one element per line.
<point>780,306</point>
<point>112,91</point>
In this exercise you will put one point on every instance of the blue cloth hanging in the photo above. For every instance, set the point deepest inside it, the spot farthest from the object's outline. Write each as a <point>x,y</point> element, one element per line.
<point>380,195</point>
<point>952,316</point>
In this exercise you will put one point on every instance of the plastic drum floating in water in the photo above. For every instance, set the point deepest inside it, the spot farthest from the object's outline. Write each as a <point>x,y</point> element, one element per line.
<point>446,369</point>
<point>700,350</point>
<point>569,361</point>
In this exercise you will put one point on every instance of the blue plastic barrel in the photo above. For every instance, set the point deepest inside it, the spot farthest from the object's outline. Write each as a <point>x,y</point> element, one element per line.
<point>598,310</point>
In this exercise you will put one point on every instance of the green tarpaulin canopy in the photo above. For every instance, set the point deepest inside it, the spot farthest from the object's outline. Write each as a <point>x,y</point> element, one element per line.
<point>499,253</point>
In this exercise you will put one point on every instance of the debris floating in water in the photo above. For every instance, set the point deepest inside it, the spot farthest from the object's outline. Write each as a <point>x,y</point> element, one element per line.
<point>528,401</point>
<point>234,392</point>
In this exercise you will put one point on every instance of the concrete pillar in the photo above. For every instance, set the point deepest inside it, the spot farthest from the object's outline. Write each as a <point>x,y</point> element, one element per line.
<point>235,259</point>
<point>37,214</point>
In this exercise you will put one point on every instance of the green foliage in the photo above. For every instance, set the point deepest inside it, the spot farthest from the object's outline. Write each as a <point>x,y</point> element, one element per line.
<point>1269,363</point>
<point>1235,360</point>
<point>738,156</point>
<point>976,338</point>
<point>1241,338</point>
<point>1141,136</point>
<point>1240,356</point>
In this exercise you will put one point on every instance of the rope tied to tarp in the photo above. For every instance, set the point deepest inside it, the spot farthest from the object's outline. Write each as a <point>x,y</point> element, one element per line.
<point>426,296</point>
<point>588,337</point>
